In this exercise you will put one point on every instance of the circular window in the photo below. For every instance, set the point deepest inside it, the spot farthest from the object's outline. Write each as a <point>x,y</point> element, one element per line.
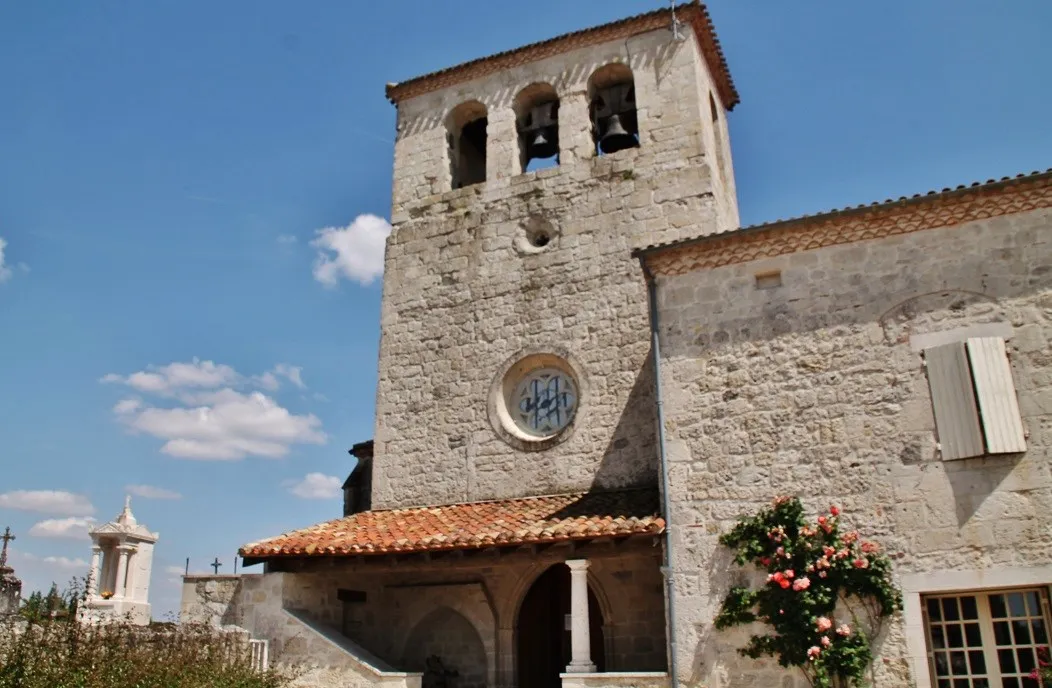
<point>544,402</point>
<point>535,399</point>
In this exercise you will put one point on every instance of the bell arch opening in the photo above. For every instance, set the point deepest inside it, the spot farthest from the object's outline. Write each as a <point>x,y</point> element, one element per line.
<point>466,136</point>
<point>537,121</point>
<point>612,108</point>
<point>542,630</point>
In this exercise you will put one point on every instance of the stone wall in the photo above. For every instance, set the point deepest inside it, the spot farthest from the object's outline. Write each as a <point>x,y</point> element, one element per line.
<point>212,599</point>
<point>465,294</point>
<point>817,388</point>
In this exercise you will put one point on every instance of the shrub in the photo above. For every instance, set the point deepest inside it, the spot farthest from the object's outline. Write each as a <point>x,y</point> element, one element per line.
<point>814,574</point>
<point>38,651</point>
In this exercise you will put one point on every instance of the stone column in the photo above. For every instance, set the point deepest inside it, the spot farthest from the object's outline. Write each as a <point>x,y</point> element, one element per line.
<point>94,574</point>
<point>122,570</point>
<point>580,632</point>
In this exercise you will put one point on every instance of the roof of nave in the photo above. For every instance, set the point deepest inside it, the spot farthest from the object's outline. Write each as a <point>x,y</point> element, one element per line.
<point>948,207</point>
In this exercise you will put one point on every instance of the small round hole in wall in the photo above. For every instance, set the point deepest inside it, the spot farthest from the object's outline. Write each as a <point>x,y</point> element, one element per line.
<point>536,234</point>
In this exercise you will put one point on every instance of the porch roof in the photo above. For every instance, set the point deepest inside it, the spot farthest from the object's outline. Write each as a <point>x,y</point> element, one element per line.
<point>475,525</point>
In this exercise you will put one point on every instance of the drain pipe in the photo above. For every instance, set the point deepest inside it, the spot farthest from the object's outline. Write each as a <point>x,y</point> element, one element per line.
<point>666,507</point>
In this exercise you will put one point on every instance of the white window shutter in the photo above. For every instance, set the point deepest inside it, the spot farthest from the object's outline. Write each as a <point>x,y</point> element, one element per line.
<point>995,392</point>
<point>952,398</point>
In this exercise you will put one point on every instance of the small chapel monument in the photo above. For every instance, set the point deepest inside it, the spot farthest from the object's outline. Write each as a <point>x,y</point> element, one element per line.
<point>10,586</point>
<point>121,562</point>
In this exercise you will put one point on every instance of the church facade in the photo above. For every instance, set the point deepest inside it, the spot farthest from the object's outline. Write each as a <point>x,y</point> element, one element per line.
<point>589,371</point>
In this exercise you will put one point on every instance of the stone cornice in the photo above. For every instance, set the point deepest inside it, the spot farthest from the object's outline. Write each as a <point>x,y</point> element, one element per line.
<point>944,209</point>
<point>694,14</point>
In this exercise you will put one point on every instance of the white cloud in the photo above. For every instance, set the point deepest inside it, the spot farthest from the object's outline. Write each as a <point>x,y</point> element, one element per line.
<point>151,492</point>
<point>5,271</point>
<point>316,486</point>
<point>269,380</point>
<point>354,252</point>
<point>176,377</point>
<point>287,239</point>
<point>225,425</point>
<point>72,528</point>
<point>51,502</point>
<point>203,415</point>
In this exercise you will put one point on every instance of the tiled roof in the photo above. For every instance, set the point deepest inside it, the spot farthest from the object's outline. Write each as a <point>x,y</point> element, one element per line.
<point>902,201</point>
<point>693,13</point>
<point>529,520</point>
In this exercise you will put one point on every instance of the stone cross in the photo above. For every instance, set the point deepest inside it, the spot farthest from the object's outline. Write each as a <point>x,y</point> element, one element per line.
<point>6,537</point>
<point>215,565</point>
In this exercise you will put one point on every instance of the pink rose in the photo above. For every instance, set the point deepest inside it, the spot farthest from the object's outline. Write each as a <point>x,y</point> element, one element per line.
<point>844,630</point>
<point>821,574</point>
<point>834,510</point>
<point>801,584</point>
<point>826,642</point>
<point>784,583</point>
<point>813,652</point>
<point>789,573</point>
<point>822,520</point>
<point>861,563</point>
<point>823,624</point>
<point>828,551</point>
<point>870,547</point>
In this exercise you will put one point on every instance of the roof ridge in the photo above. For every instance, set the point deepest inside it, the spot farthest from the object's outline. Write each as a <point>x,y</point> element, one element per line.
<point>500,500</point>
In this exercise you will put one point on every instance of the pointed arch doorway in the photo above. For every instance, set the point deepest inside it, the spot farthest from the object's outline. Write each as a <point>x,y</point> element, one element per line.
<point>542,634</point>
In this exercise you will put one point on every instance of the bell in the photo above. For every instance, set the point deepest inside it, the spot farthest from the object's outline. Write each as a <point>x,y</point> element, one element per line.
<point>615,137</point>
<point>541,145</point>
<point>540,130</point>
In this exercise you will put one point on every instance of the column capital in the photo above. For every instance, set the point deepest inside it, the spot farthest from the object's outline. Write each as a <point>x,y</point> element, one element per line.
<point>577,564</point>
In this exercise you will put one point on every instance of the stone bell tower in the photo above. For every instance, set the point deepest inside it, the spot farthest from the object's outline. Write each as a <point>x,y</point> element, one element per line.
<point>121,564</point>
<point>515,346</point>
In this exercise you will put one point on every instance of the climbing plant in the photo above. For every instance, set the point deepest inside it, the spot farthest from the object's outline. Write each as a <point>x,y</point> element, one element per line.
<point>826,593</point>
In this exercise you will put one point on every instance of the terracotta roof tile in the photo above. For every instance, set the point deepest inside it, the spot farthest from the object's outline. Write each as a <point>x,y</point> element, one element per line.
<point>529,520</point>
<point>693,13</point>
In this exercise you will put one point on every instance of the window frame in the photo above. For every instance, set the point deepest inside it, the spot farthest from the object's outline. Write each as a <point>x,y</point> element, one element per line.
<point>987,634</point>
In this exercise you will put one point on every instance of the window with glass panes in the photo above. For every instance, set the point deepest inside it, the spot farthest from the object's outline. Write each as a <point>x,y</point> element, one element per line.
<point>986,640</point>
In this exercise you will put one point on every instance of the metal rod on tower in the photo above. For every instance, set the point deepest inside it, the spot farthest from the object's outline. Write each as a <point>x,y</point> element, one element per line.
<point>235,563</point>
<point>187,572</point>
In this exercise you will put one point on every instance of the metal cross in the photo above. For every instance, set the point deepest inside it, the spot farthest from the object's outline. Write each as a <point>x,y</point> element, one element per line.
<point>215,565</point>
<point>6,537</point>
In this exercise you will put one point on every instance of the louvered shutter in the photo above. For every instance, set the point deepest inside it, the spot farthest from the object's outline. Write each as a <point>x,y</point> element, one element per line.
<point>953,400</point>
<point>995,393</point>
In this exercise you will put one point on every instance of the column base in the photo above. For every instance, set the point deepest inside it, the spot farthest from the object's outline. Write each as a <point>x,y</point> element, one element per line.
<point>575,668</point>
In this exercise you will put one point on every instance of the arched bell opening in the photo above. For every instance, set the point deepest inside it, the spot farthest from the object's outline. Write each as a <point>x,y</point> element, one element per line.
<point>542,630</point>
<point>537,121</point>
<point>466,136</point>
<point>612,107</point>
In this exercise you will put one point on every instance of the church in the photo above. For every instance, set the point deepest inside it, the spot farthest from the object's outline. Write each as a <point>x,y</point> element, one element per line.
<point>588,371</point>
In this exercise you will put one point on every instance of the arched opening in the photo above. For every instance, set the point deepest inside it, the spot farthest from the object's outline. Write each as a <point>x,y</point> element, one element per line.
<point>543,630</point>
<point>612,106</point>
<point>448,650</point>
<point>537,120</point>
<point>466,127</point>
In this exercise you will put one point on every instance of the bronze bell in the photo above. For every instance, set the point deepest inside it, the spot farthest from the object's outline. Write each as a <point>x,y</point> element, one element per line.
<point>614,112</point>
<point>615,137</point>
<point>540,130</point>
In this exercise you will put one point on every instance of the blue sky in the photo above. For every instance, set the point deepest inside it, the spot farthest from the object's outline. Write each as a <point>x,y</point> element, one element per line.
<point>165,169</point>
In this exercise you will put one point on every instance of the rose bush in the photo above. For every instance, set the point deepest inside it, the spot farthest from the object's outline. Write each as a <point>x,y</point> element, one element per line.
<point>826,594</point>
